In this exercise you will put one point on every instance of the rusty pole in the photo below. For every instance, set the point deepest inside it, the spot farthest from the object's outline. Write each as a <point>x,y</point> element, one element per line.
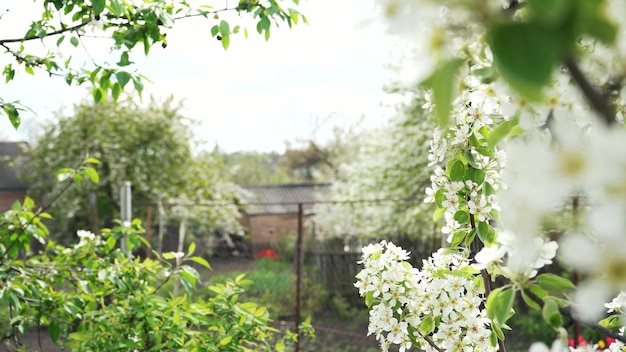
<point>298,274</point>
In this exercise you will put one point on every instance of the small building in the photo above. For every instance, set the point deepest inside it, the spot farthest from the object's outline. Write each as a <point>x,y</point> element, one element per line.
<point>273,212</point>
<point>12,165</point>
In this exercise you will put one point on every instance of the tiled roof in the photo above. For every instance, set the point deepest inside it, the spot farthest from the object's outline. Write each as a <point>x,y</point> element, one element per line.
<point>12,164</point>
<point>284,199</point>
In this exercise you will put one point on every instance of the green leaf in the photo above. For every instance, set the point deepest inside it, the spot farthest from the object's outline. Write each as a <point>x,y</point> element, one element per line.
<point>476,175</point>
<point>369,299</point>
<point>442,83</point>
<point>461,216</point>
<point>138,84</point>
<point>602,29</point>
<point>98,94</point>
<point>438,213</point>
<point>280,346</point>
<point>455,170</point>
<point>92,161</point>
<point>13,114</point>
<point>98,6</point>
<point>111,243</point>
<point>116,91</point>
<point>550,313</point>
<point>486,234</point>
<point>54,330</point>
<point>440,197</point>
<point>457,238</point>
<point>169,255</point>
<point>225,41</point>
<point>427,325</point>
<point>499,303</point>
<point>550,12</point>
<point>554,283</point>
<point>192,248</point>
<point>64,174</point>
<point>225,341</point>
<point>92,174</point>
<point>122,77</point>
<point>525,55</point>
<point>224,28</point>
<point>501,131</point>
<point>201,261</point>
<point>74,41</point>
<point>612,322</point>
<point>124,60</point>
<point>80,336</point>
<point>529,301</point>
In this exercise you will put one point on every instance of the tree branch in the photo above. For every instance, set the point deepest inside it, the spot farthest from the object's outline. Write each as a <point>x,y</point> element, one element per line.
<point>50,34</point>
<point>597,101</point>
<point>430,342</point>
<point>592,324</point>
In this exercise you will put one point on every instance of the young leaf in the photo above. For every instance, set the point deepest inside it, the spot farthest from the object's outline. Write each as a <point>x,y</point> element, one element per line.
<point>554,283</point>
<point>98,6</point>
<point>525,54</point>
<point>442,84</point>
<point>91,174</point>
<point>550,313</point>
<point>201,261</point>
<point>499,303</point>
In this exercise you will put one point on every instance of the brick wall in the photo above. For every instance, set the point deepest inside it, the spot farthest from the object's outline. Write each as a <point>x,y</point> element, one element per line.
<point>272,228</point>
<point>7,198</point>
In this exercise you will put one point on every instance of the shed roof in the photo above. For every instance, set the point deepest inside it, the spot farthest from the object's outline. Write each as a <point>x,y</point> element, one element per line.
<point>284,199</point>
<point>12,164</point>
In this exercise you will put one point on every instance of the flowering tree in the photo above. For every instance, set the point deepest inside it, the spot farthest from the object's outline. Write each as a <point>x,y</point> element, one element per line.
<point>527,169</point>
<point>381,164</point>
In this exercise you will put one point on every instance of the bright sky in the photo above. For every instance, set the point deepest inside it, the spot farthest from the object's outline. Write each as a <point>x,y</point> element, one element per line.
<point>256,95</point>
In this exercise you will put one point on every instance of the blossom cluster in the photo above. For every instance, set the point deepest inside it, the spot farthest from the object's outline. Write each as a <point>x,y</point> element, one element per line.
<point>437,306</point>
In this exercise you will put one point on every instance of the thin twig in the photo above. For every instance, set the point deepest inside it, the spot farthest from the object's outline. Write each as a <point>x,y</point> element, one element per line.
<point>592,324</point>
<point>431,342</point>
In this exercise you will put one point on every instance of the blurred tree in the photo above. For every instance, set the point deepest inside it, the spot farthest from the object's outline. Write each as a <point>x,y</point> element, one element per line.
<point>389,164</point>
<point>309,163</point>
<point>149,146</point>
<point>255,168</point>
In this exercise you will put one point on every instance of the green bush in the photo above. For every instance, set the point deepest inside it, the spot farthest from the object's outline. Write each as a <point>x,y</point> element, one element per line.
<point>273,284</point>
<point>110,301</point>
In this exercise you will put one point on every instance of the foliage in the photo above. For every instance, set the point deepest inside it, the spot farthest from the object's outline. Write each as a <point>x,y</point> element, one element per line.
<point>273,285</point>
<point>254,168</point>
<point>123,27</point>
<point>133,143</point>
<point>529,99</point>
<point>308,163</point>
<point>93,296</point>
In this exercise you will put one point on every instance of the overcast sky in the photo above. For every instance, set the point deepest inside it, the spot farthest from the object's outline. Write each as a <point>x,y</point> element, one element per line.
<point>256,95</point>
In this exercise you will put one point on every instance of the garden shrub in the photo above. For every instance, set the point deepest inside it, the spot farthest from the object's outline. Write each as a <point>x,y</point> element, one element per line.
<point>92,296</point>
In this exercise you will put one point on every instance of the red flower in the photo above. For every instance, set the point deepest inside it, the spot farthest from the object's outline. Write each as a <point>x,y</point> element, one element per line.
<point>266,253</point>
